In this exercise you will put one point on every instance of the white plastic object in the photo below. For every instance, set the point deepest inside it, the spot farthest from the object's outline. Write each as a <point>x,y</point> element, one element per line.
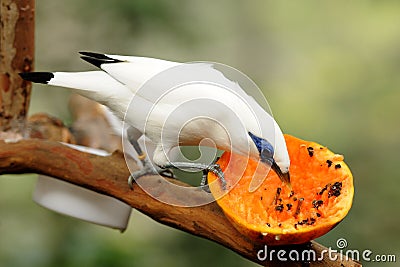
<point>81,203</point>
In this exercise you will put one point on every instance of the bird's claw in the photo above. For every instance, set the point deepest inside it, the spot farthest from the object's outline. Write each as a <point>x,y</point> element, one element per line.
<point>148,169</point>
<point>204,183</point>
<point>216,169</point>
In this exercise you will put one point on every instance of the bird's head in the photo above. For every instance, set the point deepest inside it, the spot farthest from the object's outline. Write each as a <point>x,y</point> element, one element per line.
<point>278,159</point>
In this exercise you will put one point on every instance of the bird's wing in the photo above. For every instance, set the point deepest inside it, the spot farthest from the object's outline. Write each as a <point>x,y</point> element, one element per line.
<point>133,72</point>
<point>154,79</point>
<point>128,70</point>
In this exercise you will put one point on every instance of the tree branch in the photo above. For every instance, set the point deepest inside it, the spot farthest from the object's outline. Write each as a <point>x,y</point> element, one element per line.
<point>108,175</point>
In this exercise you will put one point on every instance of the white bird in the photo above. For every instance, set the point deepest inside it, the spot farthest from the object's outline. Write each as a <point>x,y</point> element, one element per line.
<point>178,104</point>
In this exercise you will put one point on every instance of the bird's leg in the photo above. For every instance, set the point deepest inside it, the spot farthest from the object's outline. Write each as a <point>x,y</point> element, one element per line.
<point>214,167</point>
<point>148,167</point>
<point>204,181</point>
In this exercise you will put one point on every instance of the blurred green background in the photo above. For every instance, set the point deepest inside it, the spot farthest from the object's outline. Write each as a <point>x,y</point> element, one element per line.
<point>330,71</point>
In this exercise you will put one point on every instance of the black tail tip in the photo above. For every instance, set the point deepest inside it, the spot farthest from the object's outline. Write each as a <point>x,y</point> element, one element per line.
<point>37,77</point>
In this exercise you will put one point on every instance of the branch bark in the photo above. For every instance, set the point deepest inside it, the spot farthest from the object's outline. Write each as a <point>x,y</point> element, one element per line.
<point>108,175</point>
<point>16,55</point>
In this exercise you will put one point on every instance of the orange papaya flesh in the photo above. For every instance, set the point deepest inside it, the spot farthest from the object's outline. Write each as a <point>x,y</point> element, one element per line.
<point>320,195</point>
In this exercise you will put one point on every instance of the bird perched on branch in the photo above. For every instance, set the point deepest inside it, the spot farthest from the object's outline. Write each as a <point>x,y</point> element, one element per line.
<point>177,104</point>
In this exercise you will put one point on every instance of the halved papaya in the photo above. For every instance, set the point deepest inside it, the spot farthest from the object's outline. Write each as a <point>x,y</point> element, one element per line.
<point>320,195</point>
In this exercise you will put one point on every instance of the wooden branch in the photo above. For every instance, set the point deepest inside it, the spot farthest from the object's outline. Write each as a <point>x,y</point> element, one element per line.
<point>108,175</point>
<point>44,126</point>
<point>16,55</point>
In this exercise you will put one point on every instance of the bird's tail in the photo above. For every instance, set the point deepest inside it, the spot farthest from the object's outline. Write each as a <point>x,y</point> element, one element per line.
<point>100,87</point>
<point>96,85</point>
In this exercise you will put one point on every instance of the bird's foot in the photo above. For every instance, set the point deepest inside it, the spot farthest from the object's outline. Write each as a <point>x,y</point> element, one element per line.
<point>206,168</point>
<point>216,169</point>
<point>148,169</point>
<point>204,182</point>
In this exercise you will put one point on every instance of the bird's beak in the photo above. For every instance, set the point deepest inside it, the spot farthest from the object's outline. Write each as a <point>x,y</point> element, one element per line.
<point>285,177</point>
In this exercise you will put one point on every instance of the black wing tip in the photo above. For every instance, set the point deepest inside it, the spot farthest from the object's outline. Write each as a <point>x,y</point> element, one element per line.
<point>97,59</point>
<point>95,55</point>
<point>37,77</point>
<point>93,61</point>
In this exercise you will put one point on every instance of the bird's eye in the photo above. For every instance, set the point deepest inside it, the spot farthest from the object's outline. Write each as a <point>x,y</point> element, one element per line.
<point>266,154</point>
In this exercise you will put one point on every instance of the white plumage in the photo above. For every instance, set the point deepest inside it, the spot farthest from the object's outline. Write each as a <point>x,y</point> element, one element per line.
<point>173,104</point>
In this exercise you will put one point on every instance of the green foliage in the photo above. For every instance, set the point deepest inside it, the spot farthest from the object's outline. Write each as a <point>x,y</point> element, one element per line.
<point>139,15</point>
